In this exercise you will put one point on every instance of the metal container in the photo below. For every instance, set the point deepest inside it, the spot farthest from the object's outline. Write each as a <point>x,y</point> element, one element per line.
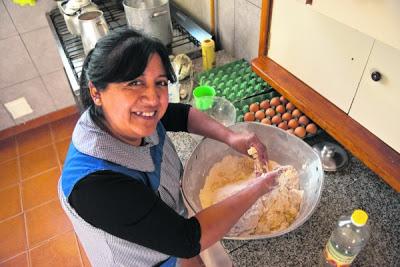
<point>92,27</point>
<point>72,9</point>
<point>283,148</point>
<point>151,17</point>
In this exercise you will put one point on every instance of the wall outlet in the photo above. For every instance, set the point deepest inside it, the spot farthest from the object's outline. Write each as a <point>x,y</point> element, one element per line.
<point>18,107</point>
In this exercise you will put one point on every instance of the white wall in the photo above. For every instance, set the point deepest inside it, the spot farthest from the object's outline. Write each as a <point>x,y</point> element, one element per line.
<point>30,65</point>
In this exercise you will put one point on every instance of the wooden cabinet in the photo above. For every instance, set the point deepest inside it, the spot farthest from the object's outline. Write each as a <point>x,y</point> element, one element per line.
<point>325,54</point>
<point>376,104</point>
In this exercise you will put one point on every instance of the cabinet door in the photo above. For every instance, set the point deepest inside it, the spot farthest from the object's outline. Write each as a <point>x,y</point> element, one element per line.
<point>323,53</point>
<point>376,105</point>
<point>378,19</point>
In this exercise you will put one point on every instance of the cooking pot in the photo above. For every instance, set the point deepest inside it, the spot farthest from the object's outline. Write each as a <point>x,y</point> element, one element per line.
<point>72,9</point>
<point>92,27</point>
<point>151,17</point>
<point>284,148</point>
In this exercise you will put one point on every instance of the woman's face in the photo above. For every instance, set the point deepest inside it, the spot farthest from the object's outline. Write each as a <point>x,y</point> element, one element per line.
<point>132,109</point>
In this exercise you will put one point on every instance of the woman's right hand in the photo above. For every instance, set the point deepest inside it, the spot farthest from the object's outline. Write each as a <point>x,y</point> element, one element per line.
<point>269,179</point>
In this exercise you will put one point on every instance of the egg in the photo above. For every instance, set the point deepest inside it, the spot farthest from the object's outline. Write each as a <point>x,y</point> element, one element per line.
<point>270,112</point>
<point>266,121</point>
<point>283,100</point>
<point>276,119</point>
<point>254,107</point>
<point>287,116</point>
<point>275,101</point>
<point>290,106</point>
<point>311,128</point>
<point>293,124</point>
<point>265,104</point>
<point>260,114</point>
<point>296,113</point>
<point>280,109</point>
<point>303,120</point>
<point>249,116</point>
<point>283,125</point>
<point>300,132</point>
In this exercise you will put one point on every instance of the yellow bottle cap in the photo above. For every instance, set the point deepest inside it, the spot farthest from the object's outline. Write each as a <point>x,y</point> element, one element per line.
<point>359,217</point>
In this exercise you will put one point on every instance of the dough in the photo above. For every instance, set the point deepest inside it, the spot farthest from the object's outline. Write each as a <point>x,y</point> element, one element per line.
<point>273,212</point>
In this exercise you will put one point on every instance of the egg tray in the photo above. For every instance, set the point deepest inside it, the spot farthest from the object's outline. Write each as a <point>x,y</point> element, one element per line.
<point>235,81</point>
<point>242,107</point>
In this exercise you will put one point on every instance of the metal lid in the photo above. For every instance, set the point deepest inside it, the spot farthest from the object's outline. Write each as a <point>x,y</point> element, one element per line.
<point>333,156</point>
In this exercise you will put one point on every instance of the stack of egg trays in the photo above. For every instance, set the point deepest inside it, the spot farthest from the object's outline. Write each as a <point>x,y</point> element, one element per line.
<point>242,106</point>
<point>235,81</point>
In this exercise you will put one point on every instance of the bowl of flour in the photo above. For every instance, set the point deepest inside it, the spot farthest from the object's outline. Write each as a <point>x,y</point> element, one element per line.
<point>214,171</point>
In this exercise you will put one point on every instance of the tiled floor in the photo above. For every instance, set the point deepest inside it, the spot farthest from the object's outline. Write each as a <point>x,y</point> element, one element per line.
<point>34,231</point>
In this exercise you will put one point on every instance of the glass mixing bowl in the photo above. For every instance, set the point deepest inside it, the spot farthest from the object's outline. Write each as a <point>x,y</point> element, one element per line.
<point>284,148</point>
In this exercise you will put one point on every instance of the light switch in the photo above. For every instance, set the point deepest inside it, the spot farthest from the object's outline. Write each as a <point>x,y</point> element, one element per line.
<point>18,107</point>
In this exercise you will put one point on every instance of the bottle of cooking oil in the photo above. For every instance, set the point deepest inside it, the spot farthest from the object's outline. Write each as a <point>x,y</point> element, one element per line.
<point>347,240</point>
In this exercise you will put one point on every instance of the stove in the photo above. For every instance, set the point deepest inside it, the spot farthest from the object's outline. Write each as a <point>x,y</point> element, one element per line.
<point>187,36</point>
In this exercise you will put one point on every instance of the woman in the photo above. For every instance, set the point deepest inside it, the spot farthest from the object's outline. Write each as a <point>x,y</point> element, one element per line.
<point>121,178</point>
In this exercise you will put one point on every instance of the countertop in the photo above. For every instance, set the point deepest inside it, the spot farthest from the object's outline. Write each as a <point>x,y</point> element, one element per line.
<point>354,186</point>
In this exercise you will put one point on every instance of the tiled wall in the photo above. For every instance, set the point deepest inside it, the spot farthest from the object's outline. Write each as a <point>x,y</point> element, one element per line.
<point>237,22</point>
<point>30,66</point>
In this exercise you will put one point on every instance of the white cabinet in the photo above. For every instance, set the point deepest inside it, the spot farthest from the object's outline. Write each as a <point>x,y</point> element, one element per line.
<point>378,19</point>
<point>376,104</point>
<point>327,55</point>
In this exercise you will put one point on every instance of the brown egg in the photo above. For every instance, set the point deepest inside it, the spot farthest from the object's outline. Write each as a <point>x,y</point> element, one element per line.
<point>296,113</point>
<point>300,132</point>
<point>266,121</point>
<point>276,119</point>
<point>283,125</point>
<point>293,124</point>
<point>303,120</point>
<point>287,116</point>
<point>283,100</point>
<point>265,104</point>
<point>290,106</point>
<point>275,101</point>
<point>291,131</point>
<point>260,114</point>
<point>281,109</point>
<point>270,112</point>
<point>249,116</point>
<point>311,128</point>
<point>254,107</point>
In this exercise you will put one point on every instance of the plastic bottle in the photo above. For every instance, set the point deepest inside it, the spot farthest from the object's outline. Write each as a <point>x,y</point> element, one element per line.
<point>347,240</point>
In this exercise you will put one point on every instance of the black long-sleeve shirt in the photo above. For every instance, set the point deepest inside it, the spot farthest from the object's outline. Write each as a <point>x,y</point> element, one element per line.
<point>128,209</point>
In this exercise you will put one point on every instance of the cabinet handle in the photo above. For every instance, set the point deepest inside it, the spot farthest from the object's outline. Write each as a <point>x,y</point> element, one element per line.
<point>376,76</point>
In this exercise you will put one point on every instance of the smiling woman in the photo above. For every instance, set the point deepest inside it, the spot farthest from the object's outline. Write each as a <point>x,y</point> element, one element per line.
<point>120,184</point>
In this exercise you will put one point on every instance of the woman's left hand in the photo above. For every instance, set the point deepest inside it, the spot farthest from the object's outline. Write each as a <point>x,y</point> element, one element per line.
<point>243,141</point>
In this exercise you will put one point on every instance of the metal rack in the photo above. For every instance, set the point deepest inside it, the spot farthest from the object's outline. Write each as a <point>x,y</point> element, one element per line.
<point>187,37</point>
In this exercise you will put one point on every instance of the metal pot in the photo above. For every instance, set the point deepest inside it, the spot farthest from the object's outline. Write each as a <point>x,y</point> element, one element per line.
<point>92,27</point>
<point>151,17</point>
<point>72,9</point>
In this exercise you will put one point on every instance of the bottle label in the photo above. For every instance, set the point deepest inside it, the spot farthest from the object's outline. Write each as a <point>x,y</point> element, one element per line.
<point>335,258</point>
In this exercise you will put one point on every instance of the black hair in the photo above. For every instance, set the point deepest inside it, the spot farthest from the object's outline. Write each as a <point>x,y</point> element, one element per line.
<point>122,55</point>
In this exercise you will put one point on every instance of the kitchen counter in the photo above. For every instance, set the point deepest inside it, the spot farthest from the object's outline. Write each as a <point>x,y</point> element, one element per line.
<point>354,186</point>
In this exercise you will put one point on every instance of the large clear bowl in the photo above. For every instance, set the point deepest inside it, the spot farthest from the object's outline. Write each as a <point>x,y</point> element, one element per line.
<point>284,148</point>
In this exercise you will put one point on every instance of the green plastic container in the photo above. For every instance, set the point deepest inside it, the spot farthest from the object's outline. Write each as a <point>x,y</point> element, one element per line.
<point>203,97</point>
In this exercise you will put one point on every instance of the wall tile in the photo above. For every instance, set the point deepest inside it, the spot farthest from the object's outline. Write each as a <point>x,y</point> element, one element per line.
<point>28,18</point>
<point>15,63</point>
<point>7,28</point>
<point>58,87</point>
<point>43,50</point>
<point>6,120</point>
<point>257,3</point>
<point>225,25</point>
<point>35,93</point>
<point>247,28</point>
